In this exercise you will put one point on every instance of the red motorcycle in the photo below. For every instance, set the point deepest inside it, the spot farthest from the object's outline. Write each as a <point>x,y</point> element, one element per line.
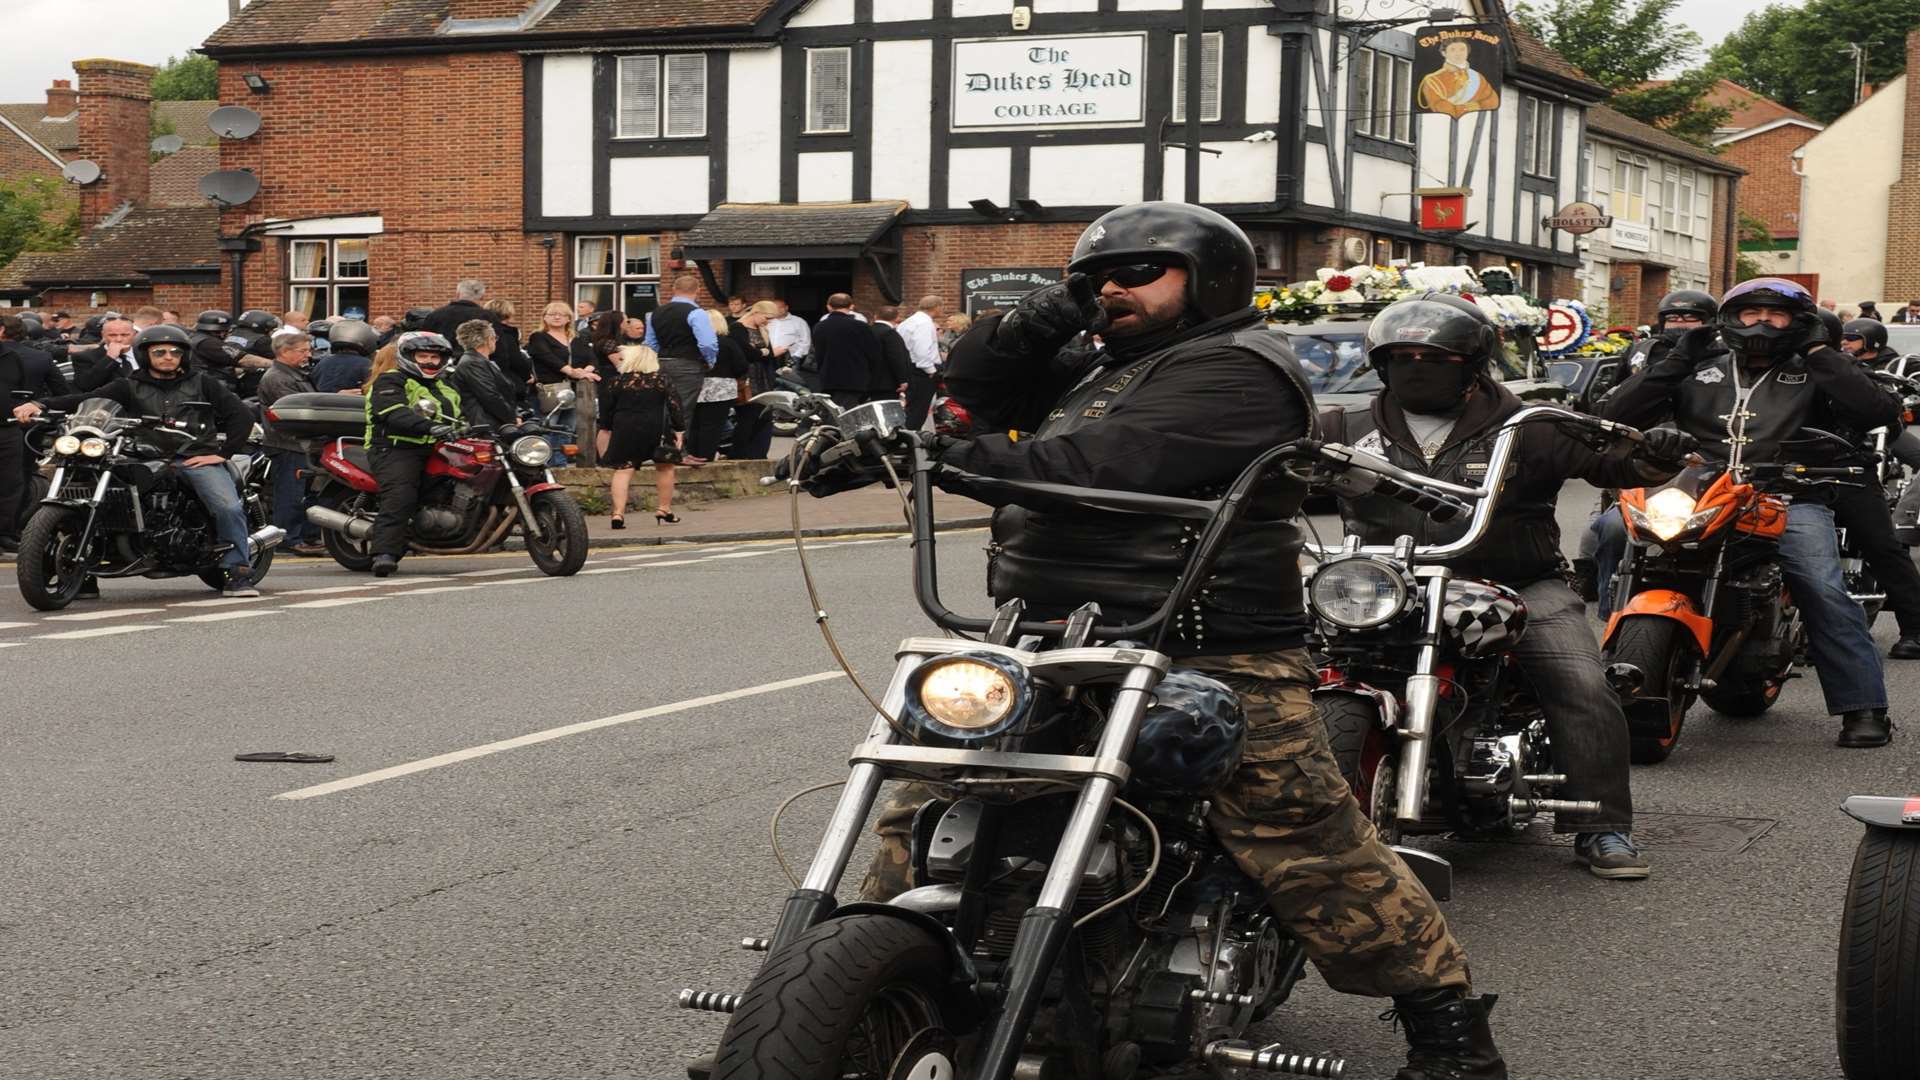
<point>480,486</point>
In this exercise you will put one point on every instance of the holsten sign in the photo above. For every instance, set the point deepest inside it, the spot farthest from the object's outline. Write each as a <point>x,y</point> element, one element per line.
<point>1092,81</point>
<point>1578,218</point>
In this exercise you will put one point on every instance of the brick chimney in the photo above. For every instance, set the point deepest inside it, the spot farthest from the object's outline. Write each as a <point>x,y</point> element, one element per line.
<point>1903,199</point>
<point>61,100</point>
<point>116,122</point>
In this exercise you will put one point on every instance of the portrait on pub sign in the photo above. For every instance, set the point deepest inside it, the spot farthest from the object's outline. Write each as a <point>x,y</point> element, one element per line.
<point>1459,69</point>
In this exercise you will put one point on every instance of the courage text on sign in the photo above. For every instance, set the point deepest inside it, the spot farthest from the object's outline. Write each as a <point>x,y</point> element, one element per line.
<point>1089,81</point>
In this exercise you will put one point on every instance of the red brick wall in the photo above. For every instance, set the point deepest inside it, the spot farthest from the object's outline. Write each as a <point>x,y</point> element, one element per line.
<point>1770,191</point>
<point>19,161</point>
<point>78,302</point>
<point>1721,237</point>
<point>1903,202</point>
<point>116,102</point>
<point>1624,299</point>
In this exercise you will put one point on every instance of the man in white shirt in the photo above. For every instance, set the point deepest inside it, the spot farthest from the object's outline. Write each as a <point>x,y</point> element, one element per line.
<point>792,342</point>
<point>921,331</point>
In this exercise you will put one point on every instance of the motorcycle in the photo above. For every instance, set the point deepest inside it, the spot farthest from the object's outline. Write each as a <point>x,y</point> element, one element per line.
<point>481,484</point>
<point>1706,614</point>
<point>1426,708</point>
<point>114,508</point>
<point>1074,913</point>
<point>1877,985</point>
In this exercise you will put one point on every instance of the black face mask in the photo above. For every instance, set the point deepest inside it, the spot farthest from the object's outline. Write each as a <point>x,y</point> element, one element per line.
<point>1430,389</point>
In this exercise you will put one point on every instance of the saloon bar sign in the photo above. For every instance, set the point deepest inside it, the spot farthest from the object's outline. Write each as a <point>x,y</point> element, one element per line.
<point>1578,218</point>
<point>1090,81</point>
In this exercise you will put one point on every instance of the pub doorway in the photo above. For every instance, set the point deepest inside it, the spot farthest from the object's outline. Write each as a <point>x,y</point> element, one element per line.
<point>807,293</point>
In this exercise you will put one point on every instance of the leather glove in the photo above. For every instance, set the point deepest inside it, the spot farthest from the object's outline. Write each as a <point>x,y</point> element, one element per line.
<point>443,432</point>
<point>1046,319</point>
<point>1665,447</point>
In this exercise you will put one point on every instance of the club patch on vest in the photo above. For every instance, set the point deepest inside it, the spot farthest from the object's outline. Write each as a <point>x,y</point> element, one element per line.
<point>1710,375</point>
<point>1096,410</point>
<point>1793,379</point>
<point>1372,442</point>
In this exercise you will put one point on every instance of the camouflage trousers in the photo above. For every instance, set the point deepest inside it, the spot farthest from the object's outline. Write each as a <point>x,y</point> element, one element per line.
<point>1290,821</point>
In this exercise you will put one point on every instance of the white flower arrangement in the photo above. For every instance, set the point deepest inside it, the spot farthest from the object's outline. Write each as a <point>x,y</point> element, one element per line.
<point>1454,279</point>
<point>1512,312</point>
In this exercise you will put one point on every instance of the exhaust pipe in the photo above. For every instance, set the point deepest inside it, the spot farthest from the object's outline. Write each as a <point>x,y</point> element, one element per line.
<point>356,528</point>
<point>267,536</point>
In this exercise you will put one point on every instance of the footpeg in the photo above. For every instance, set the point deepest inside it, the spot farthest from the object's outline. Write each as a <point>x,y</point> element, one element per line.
<point>1517,805</point>
<point>1273,1059</point>
<point>756,944</point>
<point>1546,778</point>
<point>1220,997</point>
<point>709,1001</point>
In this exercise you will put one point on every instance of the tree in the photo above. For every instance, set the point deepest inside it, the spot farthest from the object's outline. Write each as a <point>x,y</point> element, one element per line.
<point>1800,58</point>
<point>1755,232</point>
<point>192,77</point>
<point>1623,46</point>
<point>36,214</point>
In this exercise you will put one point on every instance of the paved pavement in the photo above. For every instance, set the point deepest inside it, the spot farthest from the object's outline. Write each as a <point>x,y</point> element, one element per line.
<point>557,811</point>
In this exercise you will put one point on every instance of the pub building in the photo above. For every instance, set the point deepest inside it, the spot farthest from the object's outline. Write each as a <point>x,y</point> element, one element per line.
<point>589,149</point>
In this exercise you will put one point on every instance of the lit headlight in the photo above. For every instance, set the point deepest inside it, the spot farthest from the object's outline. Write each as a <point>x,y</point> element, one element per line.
<point>1356,594</point>
<point>66,444</point>
<point>1670,513</point>
<point>94,447</point>
<point>970,696</point>
<point>531,451</point>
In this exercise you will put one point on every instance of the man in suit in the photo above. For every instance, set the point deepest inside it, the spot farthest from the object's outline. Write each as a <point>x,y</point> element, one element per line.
<point>894,372</point>
<point>848,353</point>
<point>465,307</point>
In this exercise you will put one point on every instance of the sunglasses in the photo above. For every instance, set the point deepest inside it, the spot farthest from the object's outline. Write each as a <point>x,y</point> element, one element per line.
<point>165,350</point>
<point>1129,276</point>
<point>1851,337</point>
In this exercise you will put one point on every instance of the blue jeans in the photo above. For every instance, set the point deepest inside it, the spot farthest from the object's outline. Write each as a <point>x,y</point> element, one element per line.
<point>214,484</point>
<point>1838,640</point>
<point>290,496</point>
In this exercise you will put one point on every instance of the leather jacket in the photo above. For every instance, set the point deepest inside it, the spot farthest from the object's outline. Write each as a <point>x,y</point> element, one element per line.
<point>140,394</point>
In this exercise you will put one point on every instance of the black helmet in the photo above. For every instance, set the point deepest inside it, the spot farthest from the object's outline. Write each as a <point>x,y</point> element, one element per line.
<point>413,343</point>
<point>164,333</point>
<point>1832,322</point>
<point>1192,737</point>
<point>1688,302</point>
<point>96,325</point>
<point>320,328</point>
<point>1217,256</point>
<point>1871,331</point>
<point>213,321</point>
<point>1761,341</point>
<point>260,322</point>
<point>415,318</point>
<point>1438,320</point>
<point>353,336</point>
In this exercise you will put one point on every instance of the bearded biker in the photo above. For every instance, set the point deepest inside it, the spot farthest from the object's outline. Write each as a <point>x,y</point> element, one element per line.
<point>1438,415</point>
<point>1781,378</point>
<point>1185,389</point>
<point>400,438</point>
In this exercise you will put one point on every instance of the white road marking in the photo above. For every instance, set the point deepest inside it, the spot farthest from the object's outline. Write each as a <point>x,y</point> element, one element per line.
<point>518,581</point>
<point>11,644</point>
<point>657,554</point>
<point>437,589</point>
<point>99,631</point>
<point>222,601</point>
<point>493,573</point>
<point>549,735</point>
<point>222,616</point>
<point>91,616</point>
<point>611,570</point>
<point>338,601</point>
<point>13,625</point>
<point>393,581</point>
<point>328,589</point>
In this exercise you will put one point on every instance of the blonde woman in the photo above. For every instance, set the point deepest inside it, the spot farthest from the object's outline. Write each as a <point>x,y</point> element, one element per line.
<point>950,332</point>
<point>551,351</point>
<point>644,415</point>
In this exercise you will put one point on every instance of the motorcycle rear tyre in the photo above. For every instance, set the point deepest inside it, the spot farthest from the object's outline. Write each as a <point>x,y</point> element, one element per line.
<point>1877,986</point>
<point>354,555</point>
<point>257,516</point>
<point>1652,645</point>
<point>808,1002</point>
<point>45,585</point>
<point>560,513</point>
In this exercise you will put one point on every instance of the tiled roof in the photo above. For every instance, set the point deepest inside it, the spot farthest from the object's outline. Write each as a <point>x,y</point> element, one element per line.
<point>1602,120</point>
<point>1535,54</point>
<point>328,22</point>
<point>1746,108</point>
<point>189,120</point>
<point>60,136</point>
<point>794,225</point>
<point>163,238</point>
<point>174,180</point>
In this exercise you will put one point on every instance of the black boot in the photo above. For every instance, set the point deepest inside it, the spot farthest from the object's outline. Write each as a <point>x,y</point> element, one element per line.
<point>1907,648</point>
<point>384,565</point>
<point>1447,1036</point>
<point>1864,729</point>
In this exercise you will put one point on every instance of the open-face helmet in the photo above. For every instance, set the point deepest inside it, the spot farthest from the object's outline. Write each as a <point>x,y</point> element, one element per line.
<point>1216,254</point>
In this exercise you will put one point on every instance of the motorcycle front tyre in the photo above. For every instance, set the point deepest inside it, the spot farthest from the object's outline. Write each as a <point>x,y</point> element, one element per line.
<point>1652,644</point>
<point>565,550</point>
<point>1877,991</point>
<point>1350,721</point>
<point>48,581</point>
<point>813,1011</point>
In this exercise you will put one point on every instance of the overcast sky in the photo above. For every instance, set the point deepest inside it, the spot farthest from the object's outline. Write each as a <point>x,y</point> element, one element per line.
<point>40,33</point>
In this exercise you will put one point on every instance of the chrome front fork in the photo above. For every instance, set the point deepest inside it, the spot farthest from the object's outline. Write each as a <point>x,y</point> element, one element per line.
<point>1423,699</point>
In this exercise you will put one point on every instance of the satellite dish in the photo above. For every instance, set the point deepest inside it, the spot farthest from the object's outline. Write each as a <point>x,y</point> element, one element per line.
<point>233,121</point>
<point>81,172</point>
<point>229,187</point>
<point>168,144</point>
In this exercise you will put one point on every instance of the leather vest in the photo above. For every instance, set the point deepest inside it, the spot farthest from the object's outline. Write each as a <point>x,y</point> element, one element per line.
<point>675,335</point>
<point>1778,402</point>
<point>167,398</point>
<point>1129,563</point>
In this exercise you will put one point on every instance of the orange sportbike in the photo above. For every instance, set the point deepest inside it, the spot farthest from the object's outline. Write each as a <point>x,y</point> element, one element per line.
<point>1703,612</point>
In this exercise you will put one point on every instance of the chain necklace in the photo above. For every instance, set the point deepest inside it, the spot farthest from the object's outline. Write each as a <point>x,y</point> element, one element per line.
<point>1430,432</point>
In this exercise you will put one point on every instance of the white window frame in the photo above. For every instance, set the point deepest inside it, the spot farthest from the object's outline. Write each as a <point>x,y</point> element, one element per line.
<point>664,122</point>
<point>1630,205</point>
<point>1213,41</point>
<point>1540,160</point>
<point>330,280</point>
<point>813,90</point>
<point>621,277</point>
<point>1388,118</point>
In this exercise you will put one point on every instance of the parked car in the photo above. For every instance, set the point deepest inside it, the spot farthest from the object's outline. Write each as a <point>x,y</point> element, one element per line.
<point>1333,355</point>
<point>1587,378</point>
<point>1904,338</point>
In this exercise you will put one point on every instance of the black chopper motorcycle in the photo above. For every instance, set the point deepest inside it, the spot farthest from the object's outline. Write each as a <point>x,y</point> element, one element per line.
<point>1877,983</point>
<point>115,509</point>
<point>1074,914</point>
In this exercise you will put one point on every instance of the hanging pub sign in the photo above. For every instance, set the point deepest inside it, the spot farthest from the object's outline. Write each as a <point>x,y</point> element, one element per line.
<point>1002,287</point>
<point>1096,80</point>
<point>1578,218</point>
<point>1459,68</point>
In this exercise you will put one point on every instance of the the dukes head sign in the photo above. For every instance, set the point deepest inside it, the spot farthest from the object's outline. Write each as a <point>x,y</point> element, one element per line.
<point>1088,81</point>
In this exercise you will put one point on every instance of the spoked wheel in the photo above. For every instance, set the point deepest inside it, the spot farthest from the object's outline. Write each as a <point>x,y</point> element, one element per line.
<point>564,524</point>
<point>355,555</point>
<point>1652,644</point>
<point>855,998</point>
<point>52,566</point>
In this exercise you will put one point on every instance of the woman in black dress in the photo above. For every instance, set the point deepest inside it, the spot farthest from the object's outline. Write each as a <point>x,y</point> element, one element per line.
<point>643,416</point>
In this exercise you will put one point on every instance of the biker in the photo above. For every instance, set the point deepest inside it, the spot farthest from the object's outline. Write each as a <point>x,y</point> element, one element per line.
<point>1866,341</point>
<point>252,336</point>
<point>1189,388</point>
<point>1781,377</point>
<point>400,440</point>
<point>211,352</point>
<point>346,367</point>
<point>487,393</point>
<point>161,383</point>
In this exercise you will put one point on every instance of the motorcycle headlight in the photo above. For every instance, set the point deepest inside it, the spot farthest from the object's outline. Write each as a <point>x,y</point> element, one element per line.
<point>66,445</point>
<point>531,451</point>
<point>1357,594</point>
<point>968,696</point>
<point>1670,513</point>
<point>95,447</point>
